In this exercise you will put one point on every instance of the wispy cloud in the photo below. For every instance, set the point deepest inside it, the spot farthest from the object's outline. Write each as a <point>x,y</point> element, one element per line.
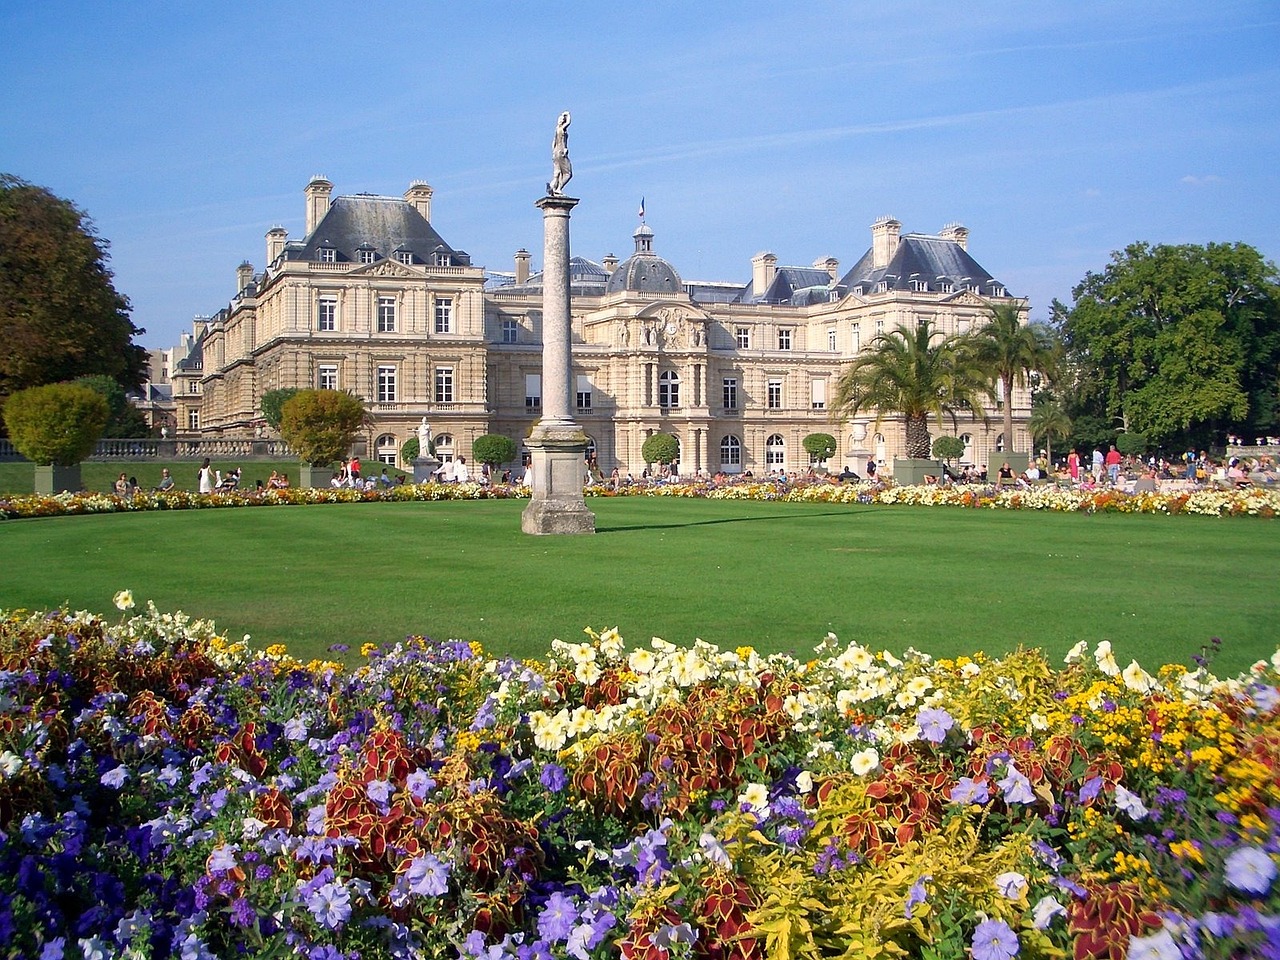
<point>1201,181</point>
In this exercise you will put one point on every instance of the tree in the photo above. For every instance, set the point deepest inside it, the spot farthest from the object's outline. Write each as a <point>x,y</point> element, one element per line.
<point>948,448</point>
<point>493,449</point>
<point>1131,444</point>
<point>1178,343</point>
<point>915,373</point>
<point>660,448</point>
<point>819,446</point>
<point>124,419</point>
<point>1010,351</point>
<point>272,404</point>
<point>60,316</point>
<point>58,423</point>
<point>1048,420</point>
<point>320,425</point>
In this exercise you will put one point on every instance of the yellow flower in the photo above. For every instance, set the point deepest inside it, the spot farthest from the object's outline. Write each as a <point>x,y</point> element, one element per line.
<point>366,649</point>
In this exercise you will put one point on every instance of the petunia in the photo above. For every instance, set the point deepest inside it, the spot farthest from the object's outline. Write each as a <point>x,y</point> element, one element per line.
<point>1158,946</point>
<point>994,940</point>
<point>1012,885</point>
<point>934,722</point>
<point>553,777</point>
<point>1250,870</point>
<point>330,905</point>
<point>1045,910</point>
<point>917,895</point>
<point>115,777</point>
<point>1130,804</point>
<point>968,790</point>
<point>1016,787</point>
<point>428,876</point>
<point>557,918</point>
<point>864,761</point>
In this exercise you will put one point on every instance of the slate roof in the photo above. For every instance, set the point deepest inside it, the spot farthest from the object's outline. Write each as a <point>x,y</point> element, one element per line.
<point>387,224</point>
<point>788,282</point>
<point>586,279</point>
<point>929,259</point>
<point>644,271</point>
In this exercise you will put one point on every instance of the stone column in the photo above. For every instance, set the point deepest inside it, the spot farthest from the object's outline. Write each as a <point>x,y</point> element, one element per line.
<point>557,445</point>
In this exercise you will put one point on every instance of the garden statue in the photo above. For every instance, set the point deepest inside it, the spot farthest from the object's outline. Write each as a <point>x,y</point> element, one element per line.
<point>424,438</point>
<point>561,169</point>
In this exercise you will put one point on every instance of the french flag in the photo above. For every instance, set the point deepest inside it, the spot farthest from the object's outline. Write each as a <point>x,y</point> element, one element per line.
<point>642,208</point>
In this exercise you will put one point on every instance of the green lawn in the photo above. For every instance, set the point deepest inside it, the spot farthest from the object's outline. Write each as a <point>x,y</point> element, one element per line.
<point>776,576</point>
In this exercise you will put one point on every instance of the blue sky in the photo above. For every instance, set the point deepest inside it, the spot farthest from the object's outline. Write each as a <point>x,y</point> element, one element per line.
<point>1057,132</point>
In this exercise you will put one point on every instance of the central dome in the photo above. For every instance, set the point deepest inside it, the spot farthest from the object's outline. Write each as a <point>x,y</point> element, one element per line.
<point>644,271</point>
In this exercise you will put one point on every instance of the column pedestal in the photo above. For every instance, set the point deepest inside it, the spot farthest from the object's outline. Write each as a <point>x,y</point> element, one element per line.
<point>556,468</point>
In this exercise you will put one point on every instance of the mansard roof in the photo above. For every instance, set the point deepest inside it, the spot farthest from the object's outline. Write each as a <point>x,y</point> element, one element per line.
<point>789,282</point>
<point>926,259</point>
<point>387,224</point>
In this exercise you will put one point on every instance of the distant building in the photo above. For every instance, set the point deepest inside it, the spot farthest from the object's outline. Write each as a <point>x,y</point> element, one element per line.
<point>372,299</point>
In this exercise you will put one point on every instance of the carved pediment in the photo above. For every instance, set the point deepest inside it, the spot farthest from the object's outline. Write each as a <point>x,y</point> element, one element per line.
<point>966,298</point>
<point>384,268</point>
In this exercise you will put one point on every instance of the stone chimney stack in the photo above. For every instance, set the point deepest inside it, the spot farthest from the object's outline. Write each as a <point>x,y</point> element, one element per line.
<point>276,237</point>
<point>244,276</point>
<point>419,195</point>
<point>956,232</point>
<point>610,263</point>
<point>522,266</point>
<point>884,241</point>
<point>317,193</point>
<point>763,268</point>
<point>829,264</point>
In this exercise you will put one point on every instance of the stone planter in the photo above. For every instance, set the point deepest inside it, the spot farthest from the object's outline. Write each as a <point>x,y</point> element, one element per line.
<point>309,476</point>
<point>55,479</point>
<point>908,471</point>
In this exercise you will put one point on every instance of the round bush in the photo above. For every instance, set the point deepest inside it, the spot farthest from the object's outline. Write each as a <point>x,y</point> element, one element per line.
<point>948,448</point>
<point>493,449</point>
<point>819,446</point>
<point>660,448</point>
<point>321,425</point>
<point>57,423</point>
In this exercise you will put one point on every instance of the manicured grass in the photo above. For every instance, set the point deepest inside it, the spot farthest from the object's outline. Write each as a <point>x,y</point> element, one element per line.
<point>19,477</point>
<point>775,576</point>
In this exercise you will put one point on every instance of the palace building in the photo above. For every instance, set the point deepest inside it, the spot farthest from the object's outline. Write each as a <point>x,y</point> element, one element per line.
<point>373,300</point>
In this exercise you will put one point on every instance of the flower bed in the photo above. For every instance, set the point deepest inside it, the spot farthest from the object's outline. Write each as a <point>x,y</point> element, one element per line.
<point>165,792</point>
<point>1254,502</point>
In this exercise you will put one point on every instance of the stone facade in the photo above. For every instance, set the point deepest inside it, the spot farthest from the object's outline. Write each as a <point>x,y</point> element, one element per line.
<point>374,301</point>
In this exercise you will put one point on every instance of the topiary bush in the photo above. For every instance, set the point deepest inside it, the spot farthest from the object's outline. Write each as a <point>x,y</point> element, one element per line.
<point>948,448</point>
<point>819,446</point>
<point>409,450</point>
<point>58,423</point>
<point>660,448</point>
<point>321,425</point>
<point>493,449</point>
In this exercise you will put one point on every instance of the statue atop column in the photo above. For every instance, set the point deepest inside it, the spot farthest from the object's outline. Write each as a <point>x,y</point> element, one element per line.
<point>561,168</point>
<point>424,438</point>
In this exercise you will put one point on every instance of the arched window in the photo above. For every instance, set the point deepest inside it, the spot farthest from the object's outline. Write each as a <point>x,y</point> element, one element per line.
<point>1000,443</point>
<point>775,452</point>
<point>967,440</point>
<point>731,455</point>
<point>444,447</point>
<point>386,449</point>
<point>880,450</point>
<point>669,389</point>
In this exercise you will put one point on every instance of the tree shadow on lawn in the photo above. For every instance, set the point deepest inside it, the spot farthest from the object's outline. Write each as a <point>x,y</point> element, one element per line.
<point>789,517</point>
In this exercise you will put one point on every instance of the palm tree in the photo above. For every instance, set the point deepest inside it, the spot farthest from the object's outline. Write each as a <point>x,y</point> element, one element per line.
<point>914,373</point>
<point>1048,420</point>
<point>1010,351</point>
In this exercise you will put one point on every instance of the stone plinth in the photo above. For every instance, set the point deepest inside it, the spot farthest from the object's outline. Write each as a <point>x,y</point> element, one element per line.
<point>556,468</point>
<point>424,468</point>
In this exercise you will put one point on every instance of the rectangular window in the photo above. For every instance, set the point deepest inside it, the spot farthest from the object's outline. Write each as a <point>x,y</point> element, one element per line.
<point>510,330</point>
<point>742,337</point>
<point>831,340</point>
<point>731,393</point>
<point>327,314</point>
<point>784,339</point>
<point>193,419</point>
<point>444,314</point>
<point>386,384</point>
<point>386,314</point>
<point>328,255</point>
<point>404,256</point>
<point>533,391</point>
<point>855,334</point>
<point>775,395</point>
<point>818,394</point>
<point>328,376</point>
<point>879,328</point>
<point>584,393</point>
<point>440,259</point>
<point>444,384</point>
<point>365,256</point>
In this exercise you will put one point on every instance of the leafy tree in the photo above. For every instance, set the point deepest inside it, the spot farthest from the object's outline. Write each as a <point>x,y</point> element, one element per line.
<point>1131,444</point>
<point>1010,351</point>
<point>493,449</point>
<point>1048,420</point>
<point>1179,343</point>
<point>915,373</point>
<point>819,446</point>
<point>321,425</point>
<point>124,419</point>
<point>273,402</point>
<point>57,423</point>
<point>948,448</point>
<point>660,448</point>
<point>60,316</point>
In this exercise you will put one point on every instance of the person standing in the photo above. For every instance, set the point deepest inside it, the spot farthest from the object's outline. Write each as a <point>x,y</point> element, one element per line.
<point>1073,465</point>
<point>871,469</point>
<point>1099,464</point>
<point>206,477</point>
<point>1113,464</point>
<point>460,472</point>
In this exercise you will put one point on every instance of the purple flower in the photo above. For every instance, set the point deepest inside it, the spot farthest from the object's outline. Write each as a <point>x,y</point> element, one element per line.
<point>556,921</point>
<point>1130,804</point>
<point>1045,910</point>
<point>1090,789</point>
<point>1158,946</point>
<point>917,895</point>
<point>934,722</point>
<point>1016,787</point>
<point>993,940</point>
<point>242,913</point>
<point>223,858</point>
<point>379,790</point>
<point>419,784</point>
<point>53,949</point>
<point>330,905</point>
<point>968,790</point>
<point>428,876</point>
<point>115,777</point>
<point>1250,870</point>
<point>553,777</point>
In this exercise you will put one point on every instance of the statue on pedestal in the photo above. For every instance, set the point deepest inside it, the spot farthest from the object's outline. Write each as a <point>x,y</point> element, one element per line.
<point>561,168</point>
<point>424,438</point>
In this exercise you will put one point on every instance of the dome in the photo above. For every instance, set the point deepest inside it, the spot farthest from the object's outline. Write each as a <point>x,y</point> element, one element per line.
<point>644,271</point>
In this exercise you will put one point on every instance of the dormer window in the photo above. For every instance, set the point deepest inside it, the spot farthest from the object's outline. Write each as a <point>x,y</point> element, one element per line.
<point>919,285</point>
<point>365,255</point>
<point>440,260</point>
<point>328,255</point>
<point>404,256</point>
<point>946,286</point>
<point>882,286</point>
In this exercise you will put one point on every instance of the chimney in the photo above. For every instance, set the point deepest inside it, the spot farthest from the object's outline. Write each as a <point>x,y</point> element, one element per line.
<point>419,196</point>
<point>522,265</point>
<point>244,276</point>
<point>276,237</point>
<point>610,263</point>
<point>317,194</point>
<point>829,264</point>
<point>763,268</point>
<point>957,233</point>
<point>884,241</point>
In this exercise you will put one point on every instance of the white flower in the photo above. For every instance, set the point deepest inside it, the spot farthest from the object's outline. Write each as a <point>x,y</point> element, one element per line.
<point>714,851</point>
<point>1129,803</point>
<point>1045,910</point>
<point>1106,660</point>
<point>919,686</point>
<point>1137,679</point>
<point>252,826</point>
<point>804,781</point>
<point>10,763</point>
<point>890,659</point>
<point>864,761</point>
<point>755,796</point>
<point>123,600</point>
<point>1038,721</point>
<point>1074,654</point>
<point>587,672</point>
<point>1012,885</point>
<point>1158,946</point>
<point>970,670</point>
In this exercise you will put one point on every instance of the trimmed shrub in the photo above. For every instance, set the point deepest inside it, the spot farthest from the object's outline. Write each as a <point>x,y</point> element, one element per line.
<point>820,446</point>
<point>56,424</point>
<point>660,448</point>
<point>948,448</point>
<point>493,449</point>
<point>321,425</point>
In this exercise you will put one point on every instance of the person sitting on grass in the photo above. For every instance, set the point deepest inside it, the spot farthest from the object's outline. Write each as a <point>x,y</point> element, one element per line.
<point>231,481</point>
<point>122,486</point>
<point>166,481</point>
